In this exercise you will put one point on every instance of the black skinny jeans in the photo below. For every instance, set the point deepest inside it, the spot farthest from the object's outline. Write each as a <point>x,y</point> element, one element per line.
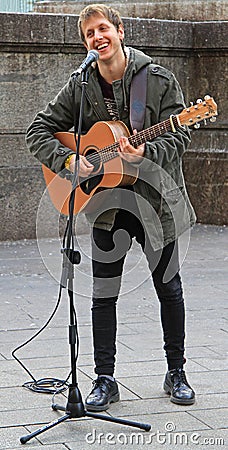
<point>109,249</point>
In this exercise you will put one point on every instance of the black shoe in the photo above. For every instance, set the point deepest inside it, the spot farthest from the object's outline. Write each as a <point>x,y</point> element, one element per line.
<point>176,384</point>
<point>103,393</point>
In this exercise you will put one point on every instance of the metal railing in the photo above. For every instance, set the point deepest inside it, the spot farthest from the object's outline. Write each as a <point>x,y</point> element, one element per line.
<point>16,5</point>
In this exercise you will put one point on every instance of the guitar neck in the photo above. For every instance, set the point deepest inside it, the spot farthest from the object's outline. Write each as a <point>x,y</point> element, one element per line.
<point>152,132</point>
<point>111,151</point>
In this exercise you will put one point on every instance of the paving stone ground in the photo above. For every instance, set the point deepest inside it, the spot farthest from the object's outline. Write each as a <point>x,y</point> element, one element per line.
<point>30,273</point>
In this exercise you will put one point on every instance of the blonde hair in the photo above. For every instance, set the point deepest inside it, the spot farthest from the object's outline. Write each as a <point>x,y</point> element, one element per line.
<point>108,12</point>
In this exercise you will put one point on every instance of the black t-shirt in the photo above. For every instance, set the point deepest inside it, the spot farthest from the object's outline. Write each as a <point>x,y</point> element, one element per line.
<point>109,98</point>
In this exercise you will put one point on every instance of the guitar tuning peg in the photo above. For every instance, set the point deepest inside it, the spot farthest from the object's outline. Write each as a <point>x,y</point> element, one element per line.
<point>191,103</point>
<point>197,125</point>
<point>204,121</point>
<point>207,97</point>
<point>212,119</point>
<point>199,100</point>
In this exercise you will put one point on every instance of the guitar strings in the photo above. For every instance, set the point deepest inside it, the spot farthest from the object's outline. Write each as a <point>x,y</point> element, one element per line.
<point>110,152</point>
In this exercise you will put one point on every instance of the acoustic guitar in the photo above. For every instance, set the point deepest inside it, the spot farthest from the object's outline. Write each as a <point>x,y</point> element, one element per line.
<point>100,147</point>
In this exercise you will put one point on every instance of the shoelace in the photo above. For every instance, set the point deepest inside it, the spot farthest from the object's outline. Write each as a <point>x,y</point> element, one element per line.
<point>98,383</point>
<point>179,377</point>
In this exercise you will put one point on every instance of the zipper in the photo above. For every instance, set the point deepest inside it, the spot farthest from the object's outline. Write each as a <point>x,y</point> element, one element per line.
<point>161,201</point>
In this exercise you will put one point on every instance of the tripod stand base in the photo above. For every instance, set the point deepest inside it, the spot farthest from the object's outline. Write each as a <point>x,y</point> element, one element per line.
<point>75,409</point>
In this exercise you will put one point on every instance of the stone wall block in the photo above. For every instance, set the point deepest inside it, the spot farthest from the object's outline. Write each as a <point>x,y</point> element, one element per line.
<point>159,33</point>
<point>27,82</point>
<point>211,34</point>
<point>31,29</point>
<point>207,180</point>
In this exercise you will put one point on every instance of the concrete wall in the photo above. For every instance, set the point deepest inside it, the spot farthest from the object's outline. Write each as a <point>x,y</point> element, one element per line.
<point>38,52</point>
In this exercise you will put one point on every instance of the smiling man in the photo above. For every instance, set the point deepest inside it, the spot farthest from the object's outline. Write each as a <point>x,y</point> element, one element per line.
<point>160,186</point>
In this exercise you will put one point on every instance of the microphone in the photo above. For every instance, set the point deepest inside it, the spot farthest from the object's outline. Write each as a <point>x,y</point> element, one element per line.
<point>91,57</point>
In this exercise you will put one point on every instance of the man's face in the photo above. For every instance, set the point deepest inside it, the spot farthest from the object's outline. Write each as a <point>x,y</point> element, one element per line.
<point>102,35</point>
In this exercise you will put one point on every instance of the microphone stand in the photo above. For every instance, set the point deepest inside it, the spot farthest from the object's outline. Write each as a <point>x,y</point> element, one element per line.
<point>74,408</point>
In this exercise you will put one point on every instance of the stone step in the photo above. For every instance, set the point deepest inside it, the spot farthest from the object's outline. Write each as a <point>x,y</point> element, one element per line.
<point>200,10</point>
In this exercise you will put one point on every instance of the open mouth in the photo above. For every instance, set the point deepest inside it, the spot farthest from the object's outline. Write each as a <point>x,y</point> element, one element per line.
<point>102,46</point>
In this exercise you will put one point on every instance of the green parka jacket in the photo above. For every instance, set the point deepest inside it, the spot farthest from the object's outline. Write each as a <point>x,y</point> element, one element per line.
<point>161,193</point>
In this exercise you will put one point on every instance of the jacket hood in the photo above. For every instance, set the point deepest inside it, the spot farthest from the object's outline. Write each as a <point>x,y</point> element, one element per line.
<point>136,59</point>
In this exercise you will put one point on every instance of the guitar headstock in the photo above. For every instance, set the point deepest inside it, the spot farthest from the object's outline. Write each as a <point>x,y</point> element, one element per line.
<point>202,110</point>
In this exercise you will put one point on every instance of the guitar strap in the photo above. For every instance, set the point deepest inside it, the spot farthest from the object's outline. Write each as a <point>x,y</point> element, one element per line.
<point>138,99</point>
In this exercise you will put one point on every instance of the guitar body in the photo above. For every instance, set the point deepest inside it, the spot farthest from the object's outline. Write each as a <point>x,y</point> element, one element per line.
<point>106,174</point>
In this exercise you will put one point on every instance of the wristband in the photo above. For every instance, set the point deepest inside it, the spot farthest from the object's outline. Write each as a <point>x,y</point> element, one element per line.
<point>67,161</point>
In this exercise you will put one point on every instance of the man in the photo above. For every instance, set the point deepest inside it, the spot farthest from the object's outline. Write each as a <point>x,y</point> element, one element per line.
<point>155,209</point>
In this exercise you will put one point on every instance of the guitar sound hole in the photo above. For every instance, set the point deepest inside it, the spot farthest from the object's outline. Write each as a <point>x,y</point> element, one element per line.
<point>87,185</point>
<point>94,158</point>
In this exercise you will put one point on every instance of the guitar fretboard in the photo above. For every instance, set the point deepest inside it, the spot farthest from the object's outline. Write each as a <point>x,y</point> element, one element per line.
<point>111,151</point>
